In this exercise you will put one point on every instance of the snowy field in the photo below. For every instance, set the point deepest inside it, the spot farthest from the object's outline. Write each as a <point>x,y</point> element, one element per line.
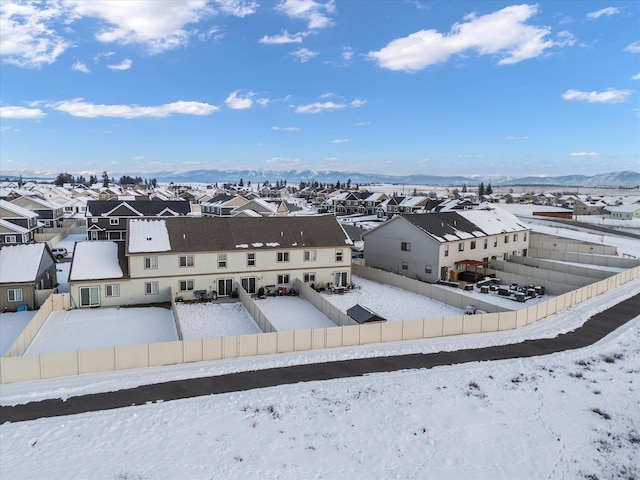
<point>293,313</point>
<point>84,329</point>
<point>209,320</point>
<point>11,326</point>
<point>389,302</point>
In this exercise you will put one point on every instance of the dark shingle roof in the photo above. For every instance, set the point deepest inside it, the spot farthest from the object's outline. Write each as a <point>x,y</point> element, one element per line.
<point>206,234</point>
<point>145,207</point>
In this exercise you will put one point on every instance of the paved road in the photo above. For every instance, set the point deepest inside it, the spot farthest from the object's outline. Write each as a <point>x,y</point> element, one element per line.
<point>593,330</point>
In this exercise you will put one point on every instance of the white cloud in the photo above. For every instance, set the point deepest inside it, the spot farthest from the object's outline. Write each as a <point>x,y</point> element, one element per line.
<point>263,102</point>
<point>237,102</point>
<point>27,39</point>
<point>347,54</point>
<point>21,113</point>
<point>283,162</point>
<point>80,108</point>
<point>313,12</point>
<point>80,67</point>
<point>237,8</point>
<point>340,140</point>
<point>610,95</point>
<point>158,25</point>
<point>584,154</point>
<point>358,103</point>
<point>286,129</point>
<point>284,37</point>
<point>304,54</point>
<point>124,65</point>
<point>362,124</point>
<point>327,95</point>
<point>603,11</point>
<point>633,47</point>
<point>503,33</point>
<point>636,77</point>
<point>319,107</point>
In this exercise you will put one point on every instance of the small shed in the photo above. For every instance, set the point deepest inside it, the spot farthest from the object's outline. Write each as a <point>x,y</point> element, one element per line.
<point>363,315</point>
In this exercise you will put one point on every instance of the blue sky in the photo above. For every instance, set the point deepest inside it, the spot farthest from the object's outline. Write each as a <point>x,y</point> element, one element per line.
<point>394,87</point>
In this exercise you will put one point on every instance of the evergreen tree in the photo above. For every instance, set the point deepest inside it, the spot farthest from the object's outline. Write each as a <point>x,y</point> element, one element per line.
<point>464,188</point>
<point>93,179</point>
<point>481,190</point>
<point>489,190</point>
<point>241,184</point>
<point>105,179</point>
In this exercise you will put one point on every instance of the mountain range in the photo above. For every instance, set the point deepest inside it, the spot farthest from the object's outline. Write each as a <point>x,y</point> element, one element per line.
<point>624,179</point>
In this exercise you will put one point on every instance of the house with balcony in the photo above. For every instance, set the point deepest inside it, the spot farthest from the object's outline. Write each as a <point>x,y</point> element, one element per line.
<point>430,246</point>
<point>209,257</point>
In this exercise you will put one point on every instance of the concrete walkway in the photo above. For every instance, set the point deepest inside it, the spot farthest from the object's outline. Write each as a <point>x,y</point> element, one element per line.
<point>594,329</point>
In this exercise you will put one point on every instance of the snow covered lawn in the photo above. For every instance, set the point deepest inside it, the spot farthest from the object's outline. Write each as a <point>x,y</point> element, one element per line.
<point>293,313</point>
<point>11,326</point>
<point>208,320</point>
<point>390,302</point>
<point>84,329</point>
<point>69,242</point>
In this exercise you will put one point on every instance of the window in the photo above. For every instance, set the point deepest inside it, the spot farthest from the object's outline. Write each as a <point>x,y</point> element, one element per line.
<point>338,255</point>
<point>309,255</point>
<point>283,256</point>
<point>114,221</point>
<point>506,239</point>
<point>112,290</point>
<point>150,263</point>
<point>515,237</point>
<point>309,277</point>
<point>461,247</point>
<point>14,294</point>
<point>486,243</point>
<point>473,244</point>
<point>151,288</point>
<point>186,261</point>
<point>186,285</point>
<point>495,242</point>
<point>283,278</point>
<point>89,296</point>
<point>251,259</point>
<point>115,235</point>
<point>10,239</point>
<point>94,220</point>
<point>446,250</point>
<point>405,246</point>
<point>222,260</point>
<point>525,236</point>
<point>427,269</point>
<point>249,284</point>
<point>405,265</point>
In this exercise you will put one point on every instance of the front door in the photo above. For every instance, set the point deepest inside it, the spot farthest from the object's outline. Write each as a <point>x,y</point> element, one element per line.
<point>443,273</point>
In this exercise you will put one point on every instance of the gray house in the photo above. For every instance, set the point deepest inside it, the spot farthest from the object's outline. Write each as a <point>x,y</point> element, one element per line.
<point>27,276</point>
<point>439,246</point>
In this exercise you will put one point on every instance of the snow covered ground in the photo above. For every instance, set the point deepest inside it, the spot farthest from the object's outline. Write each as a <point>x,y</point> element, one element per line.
<point>82,329</point>
<point>209,320</point>
<point>293,313</point>
<point>390,303</point>
<point>11,326</point>
<point>69,242</point>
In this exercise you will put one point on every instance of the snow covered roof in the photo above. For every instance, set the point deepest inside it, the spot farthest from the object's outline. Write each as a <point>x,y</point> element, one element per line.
<point>148,236</point>
<point>17,210</point>
<point>20,263</point>
<point>629,208</point>
<point>461,225</point>
<point>95,260</point>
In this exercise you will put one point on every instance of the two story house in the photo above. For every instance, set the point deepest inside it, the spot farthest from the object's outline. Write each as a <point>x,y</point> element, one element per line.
<point>430,246</point>
<point>208,256</point>
<point>107,219</point>
<point>50,214</point>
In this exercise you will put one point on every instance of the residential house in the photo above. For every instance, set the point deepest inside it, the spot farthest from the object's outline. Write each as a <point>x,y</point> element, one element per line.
<point>430,246</point>
<point>350,202</point>
<point>589,207</point>
<point>222,205</point>
<point>17,224</point>
<point>199,257</point>
<point>107,220</point>
<point>27,276</point>
<point>49,214</point>
<point>370,204</point>
<point>624,212</point>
